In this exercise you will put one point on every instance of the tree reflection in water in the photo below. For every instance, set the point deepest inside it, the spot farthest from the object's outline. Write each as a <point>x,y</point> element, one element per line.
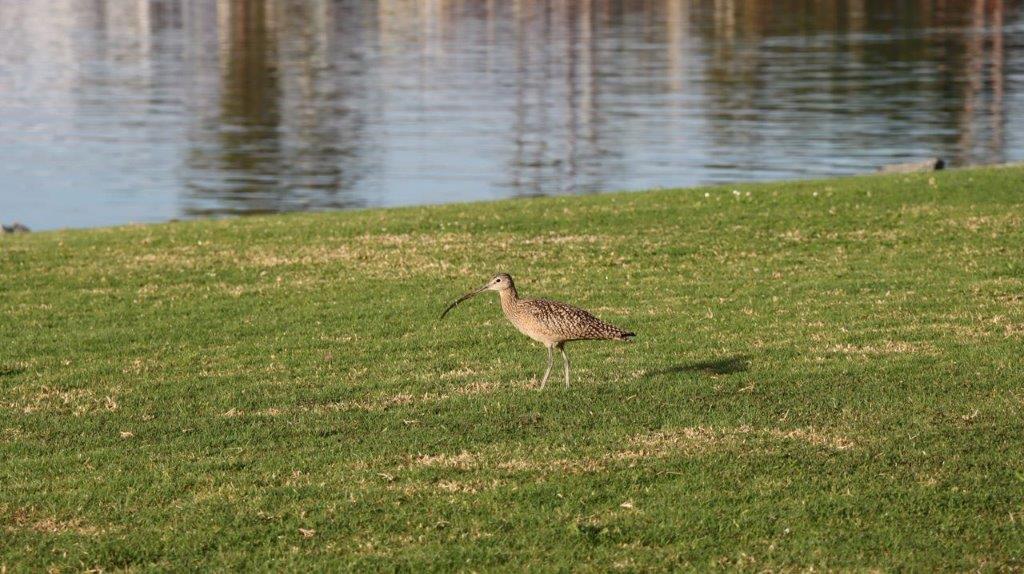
<point>164,108</point>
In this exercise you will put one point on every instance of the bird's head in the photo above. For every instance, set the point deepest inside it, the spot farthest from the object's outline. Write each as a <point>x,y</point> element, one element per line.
<point>499,282</point>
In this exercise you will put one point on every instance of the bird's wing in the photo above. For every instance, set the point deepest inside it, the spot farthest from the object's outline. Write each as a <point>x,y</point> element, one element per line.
<point>569,322</point>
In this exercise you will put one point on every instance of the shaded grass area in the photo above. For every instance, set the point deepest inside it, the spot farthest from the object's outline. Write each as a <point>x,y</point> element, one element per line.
<point>827,374</point>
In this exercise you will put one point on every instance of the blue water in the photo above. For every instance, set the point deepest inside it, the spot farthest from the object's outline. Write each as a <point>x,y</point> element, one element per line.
<point>118,111</point>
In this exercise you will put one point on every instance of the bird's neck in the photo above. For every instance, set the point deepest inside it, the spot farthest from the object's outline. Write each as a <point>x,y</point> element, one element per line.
<point>509,297</point>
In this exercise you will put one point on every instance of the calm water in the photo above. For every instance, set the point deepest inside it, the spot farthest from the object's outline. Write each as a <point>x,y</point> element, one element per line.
<point>115,111</point>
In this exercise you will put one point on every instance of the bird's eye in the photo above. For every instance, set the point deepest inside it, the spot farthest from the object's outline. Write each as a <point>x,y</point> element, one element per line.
<point>497,280</point>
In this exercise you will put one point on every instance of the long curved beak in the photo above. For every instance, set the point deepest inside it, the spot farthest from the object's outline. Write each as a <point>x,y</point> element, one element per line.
<point>461,299</point>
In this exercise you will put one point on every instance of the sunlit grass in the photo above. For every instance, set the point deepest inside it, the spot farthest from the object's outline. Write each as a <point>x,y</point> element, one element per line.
<point>827,374</point>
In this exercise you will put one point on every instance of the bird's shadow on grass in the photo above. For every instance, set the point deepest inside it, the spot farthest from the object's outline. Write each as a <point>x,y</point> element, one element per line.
<point>723,366</point>
<point>10,371</point>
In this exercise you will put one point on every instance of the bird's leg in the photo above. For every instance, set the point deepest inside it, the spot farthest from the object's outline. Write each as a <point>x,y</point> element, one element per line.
<point>547,372</point>
<point>565,359</point>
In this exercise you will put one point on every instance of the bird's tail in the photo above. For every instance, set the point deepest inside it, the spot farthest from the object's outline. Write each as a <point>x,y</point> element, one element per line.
<point>627,336</point>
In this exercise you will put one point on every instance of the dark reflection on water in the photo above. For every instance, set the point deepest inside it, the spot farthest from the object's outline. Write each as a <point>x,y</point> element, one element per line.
<point>289,128</point>
<point>120,110</point>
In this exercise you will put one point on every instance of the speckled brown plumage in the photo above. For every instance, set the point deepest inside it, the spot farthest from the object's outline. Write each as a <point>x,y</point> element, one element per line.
<point>548,322</point>
<point>554,323</point>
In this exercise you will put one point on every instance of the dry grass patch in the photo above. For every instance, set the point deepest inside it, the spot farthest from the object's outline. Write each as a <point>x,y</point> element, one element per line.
<point>383,255</point>
<point>1007,321</point>
<point>872,235</point>
<point>466,487</point>
<point>994,223</point>
<point>461,461</point>
<point>445,487</point>
<point>377,404</point>
<point>23,520</point>
<point>167,258</point>
<point>556,239</point>
<point>141,366</point>
<point>11,435</point>
<point>697,440</point>
<point>380,256</point>
<point>687,441</point>
<point>814,437</point>
<point>76,525</point>
<point>884,348</point>
<point>78,402</point>
<point>459,373</point>
<point>401,254</point>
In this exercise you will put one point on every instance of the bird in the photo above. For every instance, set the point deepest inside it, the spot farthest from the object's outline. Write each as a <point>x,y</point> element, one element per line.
<point>551,323</point>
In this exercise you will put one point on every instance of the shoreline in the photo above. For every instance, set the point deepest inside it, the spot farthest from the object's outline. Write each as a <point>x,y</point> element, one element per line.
<point>916,167</point>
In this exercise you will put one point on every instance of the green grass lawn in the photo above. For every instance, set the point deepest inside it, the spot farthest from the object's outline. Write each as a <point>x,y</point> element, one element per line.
<point>827,374</point>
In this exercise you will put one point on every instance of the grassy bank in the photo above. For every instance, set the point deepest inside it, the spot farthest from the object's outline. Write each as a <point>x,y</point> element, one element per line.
<point>826,374</point>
